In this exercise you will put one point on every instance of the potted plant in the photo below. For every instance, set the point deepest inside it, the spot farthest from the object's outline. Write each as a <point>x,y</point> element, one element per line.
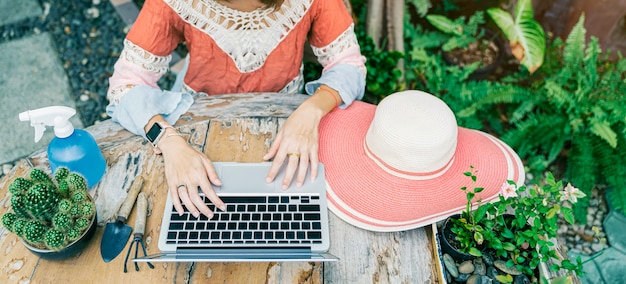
<point>516,233</point>
<point>53,217</point>
<point>469,43</point>
<point>526,36</point>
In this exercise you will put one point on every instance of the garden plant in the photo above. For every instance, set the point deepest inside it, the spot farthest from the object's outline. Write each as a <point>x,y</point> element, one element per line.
<point>49,213</point>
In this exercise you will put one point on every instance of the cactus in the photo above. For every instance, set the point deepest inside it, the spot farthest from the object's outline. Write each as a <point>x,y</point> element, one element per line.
<point>73,234</point>
<point>39,176</point>
<point>41,200</point>
<point>47,212</point>
<point>87,209</point>
<point>8,219</point>
<point>20,184</point>
<point>55,239</point>
<point>62,221</point>
<point>75,211</point>
<point>76,182</point>
<point>64,205</point>
<point>61,173</point>
<point>19,225</point>
<point>82,223</point>
<point>34,231</point>
<point>79,196</point>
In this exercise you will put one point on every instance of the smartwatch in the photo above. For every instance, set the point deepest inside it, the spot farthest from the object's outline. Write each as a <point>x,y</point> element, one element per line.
<point>155,133</point>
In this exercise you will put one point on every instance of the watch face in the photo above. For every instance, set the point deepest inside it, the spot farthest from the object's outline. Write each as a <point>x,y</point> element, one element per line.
<point>154,132</point>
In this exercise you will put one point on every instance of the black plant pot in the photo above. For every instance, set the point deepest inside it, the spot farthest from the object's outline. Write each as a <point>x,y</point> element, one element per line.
<point>70,251</point>
<point>483,72</point>
<point>448,241</point>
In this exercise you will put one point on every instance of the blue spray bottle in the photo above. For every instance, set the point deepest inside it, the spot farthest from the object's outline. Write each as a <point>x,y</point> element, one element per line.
<point>75,149</point>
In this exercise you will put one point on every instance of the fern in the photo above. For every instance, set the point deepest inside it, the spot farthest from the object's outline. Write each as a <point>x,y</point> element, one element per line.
<point>581,166</point>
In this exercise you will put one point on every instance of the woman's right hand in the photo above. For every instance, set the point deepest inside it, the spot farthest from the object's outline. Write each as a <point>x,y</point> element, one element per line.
<point>186,169</point>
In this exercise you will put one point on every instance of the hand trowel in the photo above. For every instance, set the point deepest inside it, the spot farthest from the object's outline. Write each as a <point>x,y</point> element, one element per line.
<point>116,234</point>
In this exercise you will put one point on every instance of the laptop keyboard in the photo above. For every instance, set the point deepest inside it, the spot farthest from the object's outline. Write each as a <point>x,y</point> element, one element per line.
<point>265,220</point>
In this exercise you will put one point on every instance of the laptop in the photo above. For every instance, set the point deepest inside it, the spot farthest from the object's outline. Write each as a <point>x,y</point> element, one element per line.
<point>262,222</point>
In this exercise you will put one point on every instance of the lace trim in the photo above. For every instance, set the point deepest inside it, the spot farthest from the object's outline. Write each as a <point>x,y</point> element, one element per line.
<point>141,57</point>
<point>346,40</point>
<point>237,33</point>
<point>115,95</point>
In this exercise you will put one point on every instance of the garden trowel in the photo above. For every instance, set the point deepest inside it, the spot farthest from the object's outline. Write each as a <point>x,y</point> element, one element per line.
<point>116,234</point>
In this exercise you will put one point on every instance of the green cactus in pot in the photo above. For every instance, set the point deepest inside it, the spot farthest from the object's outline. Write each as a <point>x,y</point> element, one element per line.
<point>49,212</point>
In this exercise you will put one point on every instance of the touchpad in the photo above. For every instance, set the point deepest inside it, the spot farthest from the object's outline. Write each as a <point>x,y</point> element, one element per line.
<point>245,178</point>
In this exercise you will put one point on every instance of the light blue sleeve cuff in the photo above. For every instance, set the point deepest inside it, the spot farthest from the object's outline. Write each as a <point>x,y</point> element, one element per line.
<point>143,102</point>
<point>348,80</point>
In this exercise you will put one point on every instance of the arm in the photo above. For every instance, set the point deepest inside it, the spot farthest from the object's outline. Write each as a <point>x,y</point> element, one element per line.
<point>342,81</point>
<point>137,103</point>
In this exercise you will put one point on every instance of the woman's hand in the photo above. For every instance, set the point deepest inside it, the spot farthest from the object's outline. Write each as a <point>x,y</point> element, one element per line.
<point>186,169</point>
<point>297,141</point>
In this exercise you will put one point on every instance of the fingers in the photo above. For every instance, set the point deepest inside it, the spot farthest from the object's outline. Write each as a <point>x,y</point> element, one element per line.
<point>176,199</point>
<point>302,170</point>
<point>290,170</point>
<point>273,148</point>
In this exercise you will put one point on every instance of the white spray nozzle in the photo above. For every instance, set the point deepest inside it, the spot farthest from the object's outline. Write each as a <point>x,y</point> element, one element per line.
<point>50,116</point>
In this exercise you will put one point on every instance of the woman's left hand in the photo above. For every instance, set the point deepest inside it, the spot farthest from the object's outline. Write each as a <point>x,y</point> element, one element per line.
<point>297,141</point>
<point>296,144</point>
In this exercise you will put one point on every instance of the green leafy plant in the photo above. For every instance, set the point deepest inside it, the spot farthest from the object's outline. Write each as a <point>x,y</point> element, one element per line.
<point>577,115</point>
<point>526,36</point>
<point>520,227</point>
<point>468,229</point>
<point>49,213</point>
<point>461,32</point>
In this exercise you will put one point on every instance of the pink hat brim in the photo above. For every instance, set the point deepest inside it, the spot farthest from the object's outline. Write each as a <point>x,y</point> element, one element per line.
<point>364,195</point>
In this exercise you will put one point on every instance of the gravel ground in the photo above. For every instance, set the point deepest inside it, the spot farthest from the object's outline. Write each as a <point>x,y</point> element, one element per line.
<point>88,37</point>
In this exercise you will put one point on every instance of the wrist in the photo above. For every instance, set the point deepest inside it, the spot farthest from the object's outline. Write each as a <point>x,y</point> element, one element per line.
<point>170,137</point>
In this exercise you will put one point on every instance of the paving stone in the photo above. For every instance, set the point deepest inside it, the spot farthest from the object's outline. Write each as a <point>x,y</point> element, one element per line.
<point>32,77</point>
<point>13,11</point>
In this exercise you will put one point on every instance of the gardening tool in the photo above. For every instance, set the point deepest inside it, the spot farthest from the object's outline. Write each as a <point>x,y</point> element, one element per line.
<point>116,233</point>
<point>140,227</point>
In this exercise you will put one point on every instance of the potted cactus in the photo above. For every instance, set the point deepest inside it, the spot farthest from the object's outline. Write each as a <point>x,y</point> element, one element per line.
<point>54,218</point>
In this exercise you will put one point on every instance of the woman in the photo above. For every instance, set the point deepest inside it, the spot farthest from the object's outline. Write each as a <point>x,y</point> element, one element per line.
<point>234,46</point>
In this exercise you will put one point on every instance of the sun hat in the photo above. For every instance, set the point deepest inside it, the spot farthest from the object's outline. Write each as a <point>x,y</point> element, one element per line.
<point>400,165</point>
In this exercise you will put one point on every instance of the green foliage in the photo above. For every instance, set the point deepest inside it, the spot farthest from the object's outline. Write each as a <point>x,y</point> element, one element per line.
<point>526,36</point>
<point>421,6</point>
<point>578,109</point>
<point>460,32</point>
<point>524,238</point>
<point>382,73</point>
<point>40,213</point>
<point>468,229</point>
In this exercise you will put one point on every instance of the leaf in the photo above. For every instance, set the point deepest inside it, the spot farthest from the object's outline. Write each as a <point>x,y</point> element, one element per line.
<point>604,131</point>
<point>474,251</point>
<point>507,233</point>
<point>478,237</point>
<point>480,213</point>
<point>508,246</point>
<point>445,24</point>
<point>523,33</point>
<point>505,278</point>
<point>568,215</point>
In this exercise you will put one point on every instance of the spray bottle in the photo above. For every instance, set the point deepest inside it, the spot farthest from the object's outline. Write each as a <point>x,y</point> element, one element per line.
<point>75,149</point>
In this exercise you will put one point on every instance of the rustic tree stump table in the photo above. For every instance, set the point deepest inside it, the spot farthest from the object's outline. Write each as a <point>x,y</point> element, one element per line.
<point>239,128</point>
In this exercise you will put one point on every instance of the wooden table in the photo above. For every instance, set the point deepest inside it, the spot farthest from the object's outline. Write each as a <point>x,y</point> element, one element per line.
<point>226,128</point>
